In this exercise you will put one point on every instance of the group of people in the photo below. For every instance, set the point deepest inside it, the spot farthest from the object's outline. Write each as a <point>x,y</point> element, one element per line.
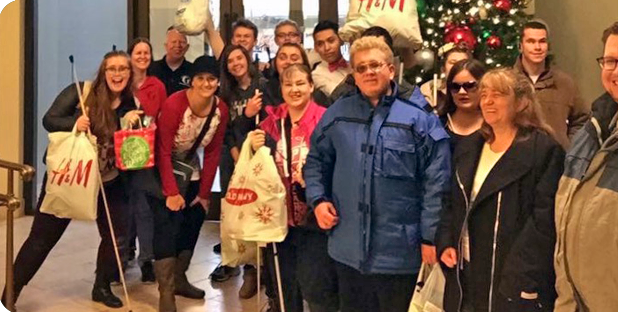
<point>380,176</point>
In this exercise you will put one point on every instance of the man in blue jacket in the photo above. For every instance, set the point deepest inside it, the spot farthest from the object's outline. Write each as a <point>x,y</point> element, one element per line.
<point>376,175</point>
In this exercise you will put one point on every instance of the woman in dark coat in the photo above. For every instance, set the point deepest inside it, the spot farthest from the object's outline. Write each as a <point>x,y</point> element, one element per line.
<point>496,237</point>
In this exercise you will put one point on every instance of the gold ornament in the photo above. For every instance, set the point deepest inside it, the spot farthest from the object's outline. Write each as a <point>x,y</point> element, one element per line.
<point>483,13</point>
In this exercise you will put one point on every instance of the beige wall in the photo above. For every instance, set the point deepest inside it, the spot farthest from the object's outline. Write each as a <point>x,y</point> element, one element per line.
<point>576,27</point>
<point>11,88</point>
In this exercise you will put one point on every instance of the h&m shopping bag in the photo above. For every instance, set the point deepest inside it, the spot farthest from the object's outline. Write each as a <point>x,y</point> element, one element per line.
<point>135,148</point>
<point>192,17</point>
<point>73,178</point>
<point>254,208</point>
<point>429,291</point>
<point>72,187</point>
<point>399,17</point>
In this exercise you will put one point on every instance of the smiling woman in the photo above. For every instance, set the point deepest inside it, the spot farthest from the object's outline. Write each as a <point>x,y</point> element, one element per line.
<point>189,119</point>
<point>508,175</point>
<point>109,99</point>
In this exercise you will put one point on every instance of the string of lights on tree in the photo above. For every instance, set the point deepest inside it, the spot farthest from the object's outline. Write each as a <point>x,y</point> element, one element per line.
<point>490,27</point>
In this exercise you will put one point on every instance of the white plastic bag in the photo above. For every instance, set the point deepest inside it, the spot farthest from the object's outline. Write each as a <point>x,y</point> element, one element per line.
<point>429,291</point>
<point>399,17</point>
<point>235,253</point>
<point>254,208</point>
<point>72,187</point>
<point>192,17</point>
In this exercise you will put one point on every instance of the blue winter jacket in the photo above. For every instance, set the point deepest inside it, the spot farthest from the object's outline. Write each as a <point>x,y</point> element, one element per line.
<point>386,170</point>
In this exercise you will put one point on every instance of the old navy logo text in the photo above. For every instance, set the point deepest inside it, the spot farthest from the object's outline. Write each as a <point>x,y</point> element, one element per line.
<point>239,197</point>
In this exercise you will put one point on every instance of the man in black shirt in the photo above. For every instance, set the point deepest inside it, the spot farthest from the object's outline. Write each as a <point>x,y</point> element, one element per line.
<point>173,69</point>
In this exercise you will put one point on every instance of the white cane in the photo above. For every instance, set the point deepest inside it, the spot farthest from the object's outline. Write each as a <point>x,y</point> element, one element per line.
<point>259,304</point>
<point>400,72</point>
<point>116,252</point>
<point>257,117</point>
<point>278,273</point>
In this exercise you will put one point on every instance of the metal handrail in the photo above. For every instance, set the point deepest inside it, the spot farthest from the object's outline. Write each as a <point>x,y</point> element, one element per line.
<point>12,203</point>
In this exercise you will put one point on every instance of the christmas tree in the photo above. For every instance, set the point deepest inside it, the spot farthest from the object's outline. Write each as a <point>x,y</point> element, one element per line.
<point>490,27</point>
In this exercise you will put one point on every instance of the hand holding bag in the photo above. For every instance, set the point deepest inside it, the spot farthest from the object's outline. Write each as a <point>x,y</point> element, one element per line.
<point>429,291</point>
<point>254,208</point>
<point>72,188</point>
<point>134,148</point>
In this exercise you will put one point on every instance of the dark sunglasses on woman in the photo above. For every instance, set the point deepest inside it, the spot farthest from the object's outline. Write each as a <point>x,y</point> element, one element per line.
<point>469,86</point>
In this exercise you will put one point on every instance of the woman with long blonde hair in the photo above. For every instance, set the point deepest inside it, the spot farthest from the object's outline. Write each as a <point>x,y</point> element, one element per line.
<point>496,237</point>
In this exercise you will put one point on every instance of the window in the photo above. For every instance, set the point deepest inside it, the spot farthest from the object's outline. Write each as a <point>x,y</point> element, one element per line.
<point>266,17</point>
<point>93,29</point>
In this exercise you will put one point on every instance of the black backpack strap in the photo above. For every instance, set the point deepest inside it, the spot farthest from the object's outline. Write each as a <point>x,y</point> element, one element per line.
<point>288,143</point>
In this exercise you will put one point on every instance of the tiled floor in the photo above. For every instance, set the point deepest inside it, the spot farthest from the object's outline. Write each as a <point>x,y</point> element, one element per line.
<point>64,282</point>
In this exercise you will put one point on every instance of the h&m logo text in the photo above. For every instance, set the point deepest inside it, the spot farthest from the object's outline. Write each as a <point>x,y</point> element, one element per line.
<point>72,176</point>
<point>380,4</point>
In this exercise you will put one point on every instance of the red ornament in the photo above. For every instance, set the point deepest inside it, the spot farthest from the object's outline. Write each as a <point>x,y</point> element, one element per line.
<point>494,42</point>
<point>503,5</point>
<point>461,34</point>
<point>449,26</point>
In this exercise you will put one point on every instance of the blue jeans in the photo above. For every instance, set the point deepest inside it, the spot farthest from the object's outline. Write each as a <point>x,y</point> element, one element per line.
<point>142,224</point>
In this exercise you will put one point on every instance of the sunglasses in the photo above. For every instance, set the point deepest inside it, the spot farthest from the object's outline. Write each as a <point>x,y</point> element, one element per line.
<point>469,86</point>
<point>374,67</point>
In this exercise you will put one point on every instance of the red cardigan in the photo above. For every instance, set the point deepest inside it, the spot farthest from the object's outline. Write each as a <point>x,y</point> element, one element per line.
<point>151,96</point>
<point>169,121</point>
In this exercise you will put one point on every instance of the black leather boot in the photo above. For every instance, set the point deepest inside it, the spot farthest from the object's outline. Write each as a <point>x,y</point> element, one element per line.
<point>101,292</point>
<point>148,275</point>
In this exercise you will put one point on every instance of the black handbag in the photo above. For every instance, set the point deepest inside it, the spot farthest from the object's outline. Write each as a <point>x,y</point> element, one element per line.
<point>184,163</point>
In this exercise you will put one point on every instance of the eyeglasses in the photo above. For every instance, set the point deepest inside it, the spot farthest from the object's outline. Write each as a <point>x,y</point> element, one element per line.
<point>607,63</point>
<point>469,86</point>
<point>374,67</point>
<point>288,35</point>
<point>117,70</point>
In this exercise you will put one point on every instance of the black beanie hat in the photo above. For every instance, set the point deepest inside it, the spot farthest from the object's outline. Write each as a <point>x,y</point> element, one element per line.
<point>205,64</point>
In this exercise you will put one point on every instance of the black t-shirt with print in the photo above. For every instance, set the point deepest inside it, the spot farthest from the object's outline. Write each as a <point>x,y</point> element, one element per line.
<point>239,125</point>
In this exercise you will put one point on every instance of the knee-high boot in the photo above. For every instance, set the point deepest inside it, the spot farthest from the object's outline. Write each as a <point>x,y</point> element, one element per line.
<point>164,272</point>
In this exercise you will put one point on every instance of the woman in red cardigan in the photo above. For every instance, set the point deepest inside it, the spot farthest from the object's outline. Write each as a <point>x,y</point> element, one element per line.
<point>149,90</point>
<point>179,216</point>
<point>150,93</point>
